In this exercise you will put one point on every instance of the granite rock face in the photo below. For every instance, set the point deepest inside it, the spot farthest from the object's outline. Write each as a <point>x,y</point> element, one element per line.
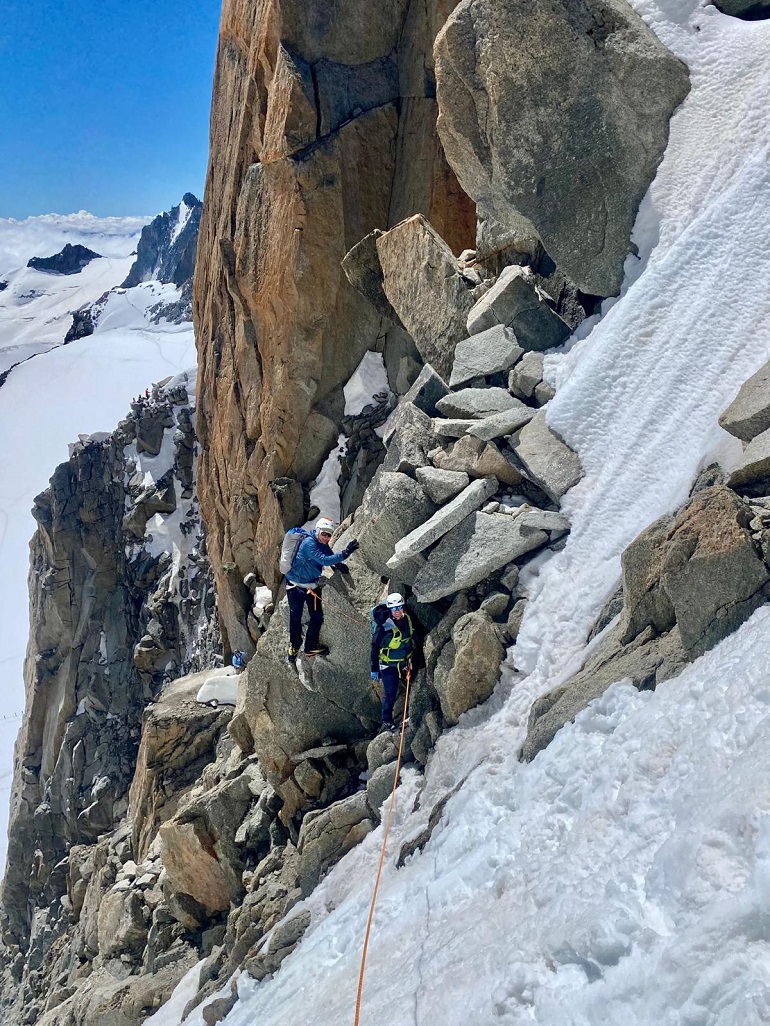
<point>322,131</point>
<point>557,114</point>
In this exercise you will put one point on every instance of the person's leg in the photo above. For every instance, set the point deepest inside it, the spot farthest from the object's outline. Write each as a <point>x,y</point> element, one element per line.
<point>316,619</point>
<point>296,597</point>
<point>390,678</point>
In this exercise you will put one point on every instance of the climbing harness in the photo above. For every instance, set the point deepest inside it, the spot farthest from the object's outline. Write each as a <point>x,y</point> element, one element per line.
<point>384,845</point>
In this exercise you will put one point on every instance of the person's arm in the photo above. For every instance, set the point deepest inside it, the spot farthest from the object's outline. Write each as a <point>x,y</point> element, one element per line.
<point>374,652</point>
<point>334,557</point>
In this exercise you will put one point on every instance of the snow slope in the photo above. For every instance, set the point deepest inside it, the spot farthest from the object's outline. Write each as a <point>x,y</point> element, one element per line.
<point>46,402</point>
<point>624,875</point>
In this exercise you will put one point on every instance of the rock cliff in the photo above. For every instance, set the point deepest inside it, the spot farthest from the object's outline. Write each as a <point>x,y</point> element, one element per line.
<point>322,130</point>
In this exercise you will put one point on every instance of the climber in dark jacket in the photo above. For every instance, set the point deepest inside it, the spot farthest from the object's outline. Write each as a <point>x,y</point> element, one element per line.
<point>393,648</point>
<point>313,554</point>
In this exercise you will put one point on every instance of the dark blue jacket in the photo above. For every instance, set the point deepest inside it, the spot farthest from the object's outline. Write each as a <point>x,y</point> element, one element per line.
<point>312,556</point>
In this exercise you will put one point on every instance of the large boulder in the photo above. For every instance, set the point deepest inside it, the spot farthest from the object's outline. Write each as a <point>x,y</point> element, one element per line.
<point>558,113</point>
<point>409,438</point>
<point>748,10</point>
<point>427,389</point>
<point>477,403</point>
<point>476,548</point>
<point>468,674</point>
<point>422,281</point>
<point>551,464</point>
<point>486,352</point>
<point>702,571</point>
<point>515,301</point>
<point>500,424</point>
<point>442,485</point>
<point>748,415</point>
<point>393,506</point>
<point>477,458</point>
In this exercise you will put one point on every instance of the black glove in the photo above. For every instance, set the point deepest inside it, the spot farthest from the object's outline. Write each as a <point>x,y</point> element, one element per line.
<point>342,569</point>
<point>350,548</point>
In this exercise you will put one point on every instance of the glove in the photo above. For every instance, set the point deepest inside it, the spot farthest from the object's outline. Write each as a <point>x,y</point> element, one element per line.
<point>374,675</point>
<point>350,548</point>
<point>342,569</point>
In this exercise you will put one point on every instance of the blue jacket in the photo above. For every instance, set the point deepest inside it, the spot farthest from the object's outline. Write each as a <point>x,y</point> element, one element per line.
<point>312,556</point>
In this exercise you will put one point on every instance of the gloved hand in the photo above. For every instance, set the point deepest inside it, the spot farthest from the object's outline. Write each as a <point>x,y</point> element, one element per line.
<point>350,548</point>
<point>342,569</point>
<point>374,675</point>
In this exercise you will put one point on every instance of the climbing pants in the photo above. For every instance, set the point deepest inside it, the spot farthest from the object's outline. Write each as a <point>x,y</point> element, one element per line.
<point>391,675</point>
<point>298,598</point>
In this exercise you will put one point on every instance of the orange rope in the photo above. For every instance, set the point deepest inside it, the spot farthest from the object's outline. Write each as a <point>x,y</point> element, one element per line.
<point>384,844</point>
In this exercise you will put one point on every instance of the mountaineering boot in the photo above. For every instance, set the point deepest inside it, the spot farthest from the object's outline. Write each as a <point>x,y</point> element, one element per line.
<point>387,727</point>
<point>291,657</point>
<point>321,650</point>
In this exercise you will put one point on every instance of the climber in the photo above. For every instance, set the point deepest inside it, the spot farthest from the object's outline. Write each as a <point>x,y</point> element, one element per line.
<point>239,660</point>
<point>302,578</point>
<point>393,646</point>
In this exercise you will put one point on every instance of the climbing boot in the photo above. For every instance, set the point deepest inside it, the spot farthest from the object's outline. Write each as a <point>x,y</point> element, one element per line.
<point>320,650</point>
<point>388,727</point>
<point>291,656</point>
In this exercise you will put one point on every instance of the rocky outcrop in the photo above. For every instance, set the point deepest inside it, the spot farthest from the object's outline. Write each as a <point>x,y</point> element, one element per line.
<point>113,617</point>
<point>689,581</point>
<point>333,137</point>
<point>70,260</point>
<point>529,92</point>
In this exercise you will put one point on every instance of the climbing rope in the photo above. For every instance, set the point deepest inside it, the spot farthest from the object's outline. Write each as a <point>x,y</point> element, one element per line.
<point>384,845</point>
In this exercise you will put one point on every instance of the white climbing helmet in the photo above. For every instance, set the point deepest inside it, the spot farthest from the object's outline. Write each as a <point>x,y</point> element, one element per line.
<point>324,524</point>
<point>395,600</point>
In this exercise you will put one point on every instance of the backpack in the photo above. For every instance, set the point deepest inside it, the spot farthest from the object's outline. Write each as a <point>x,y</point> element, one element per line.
<point>291,542</point>
<point>377,617</point>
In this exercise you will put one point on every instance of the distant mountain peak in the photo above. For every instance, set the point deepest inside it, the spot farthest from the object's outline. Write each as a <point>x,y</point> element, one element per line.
<point>69,260</point>
<point>166,250</point>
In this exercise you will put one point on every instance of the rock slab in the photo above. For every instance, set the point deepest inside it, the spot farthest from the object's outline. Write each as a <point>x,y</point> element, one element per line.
<point>551,464</point>
<point>485,352</point>
<point>476,548</point>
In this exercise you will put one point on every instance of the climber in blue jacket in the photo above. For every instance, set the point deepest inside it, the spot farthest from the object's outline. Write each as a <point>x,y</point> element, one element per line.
<point>313,554</point>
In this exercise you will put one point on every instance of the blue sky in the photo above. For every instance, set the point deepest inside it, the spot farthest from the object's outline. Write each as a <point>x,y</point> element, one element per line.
<point>105,104</point>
